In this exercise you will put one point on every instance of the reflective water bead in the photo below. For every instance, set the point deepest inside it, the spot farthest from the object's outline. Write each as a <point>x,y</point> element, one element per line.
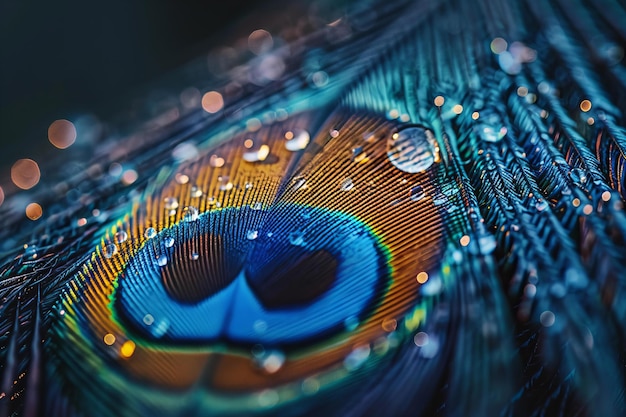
<point>121,236</point>
<point>416,193</point>
<point>30,251</point>
<point>110,249</point>
<point>149,233</point>
<point>190,214</point>
<point>252,234</point>
<point>162,260</point>
<point>195,191</point>
<point>347,184</point>
<point>579,176</point>
<point>412,149</point>
<point>168,241</point>
<point>170,203</point>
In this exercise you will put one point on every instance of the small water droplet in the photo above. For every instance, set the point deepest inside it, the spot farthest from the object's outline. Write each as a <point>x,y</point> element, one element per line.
<point>299,141</point>
<point>162,260</point>
<point>542,205</point>
<point>296,238</point>
<point>259,326</point>
<point>412,149</point>
<point>170,203</point>
<point>579,176</point>
<point>190,214</point>
<point>252,234</point>
<point>358,154</point>
<point>196,191</point>
<point>110,249</point>
<point>194,256</point>
<point>30,251</point>
<point>270,360</point>
<point>225,184</point>
<point>121,236</point>
<point>491,134</point>
<point>149,233</point>
<point>257,206</point>
<point>416,193</point>
<point>347,184</point>
<point>299,183</point>
<point>168,241</point>
<point>357,357</point>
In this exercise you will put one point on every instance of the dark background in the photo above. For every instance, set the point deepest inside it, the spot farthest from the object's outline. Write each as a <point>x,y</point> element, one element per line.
<point>58,58</point>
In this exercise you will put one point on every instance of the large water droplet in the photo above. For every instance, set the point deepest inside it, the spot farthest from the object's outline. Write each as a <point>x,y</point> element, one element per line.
<point>412,150</point>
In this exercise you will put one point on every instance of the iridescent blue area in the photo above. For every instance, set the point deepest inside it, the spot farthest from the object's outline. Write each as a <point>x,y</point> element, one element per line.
<point>322,257</point>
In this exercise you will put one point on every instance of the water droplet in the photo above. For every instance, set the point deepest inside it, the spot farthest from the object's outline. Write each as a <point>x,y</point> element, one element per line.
<point>148,319</point>
<point>270,360</point>
<point>252,234</point>
<point>121,236</point>
<point>358,154</point>
<point>259,326</point>
<point>225,184</point>
<point>268,398</point>
<point>149,233</point>
<point>347,184</point>
<point>491,134</point>
<point>412,149</point>
<point>579,176</point>
<point>351,323</point>
<point>487,244</point>
<point>170,203</point>
<point>257,155</point>
<point>194,256</point>
<point>168,241</point>
<point>547,318</point>
<point>357,357</point>
<point>160,328</point>
<point>196,191</point>
<point>257,206</point>
<point>190,214</point>
<point>30,251</point>
<point>162,260</point>
<point>109,250</point>
<point>542,205</point>
<point>299,183</point>
<point>416,193</point>
<point>299,141</point>
<point>296,238</point>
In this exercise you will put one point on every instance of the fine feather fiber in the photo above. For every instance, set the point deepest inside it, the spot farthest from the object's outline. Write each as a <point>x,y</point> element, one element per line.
<point>415,208</point>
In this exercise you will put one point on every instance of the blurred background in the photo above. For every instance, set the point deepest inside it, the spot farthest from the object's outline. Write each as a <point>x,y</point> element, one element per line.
<point>61,60</point>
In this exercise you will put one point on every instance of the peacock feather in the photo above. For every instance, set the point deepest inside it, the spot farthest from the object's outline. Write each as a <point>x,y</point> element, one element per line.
<point>398,208</point>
